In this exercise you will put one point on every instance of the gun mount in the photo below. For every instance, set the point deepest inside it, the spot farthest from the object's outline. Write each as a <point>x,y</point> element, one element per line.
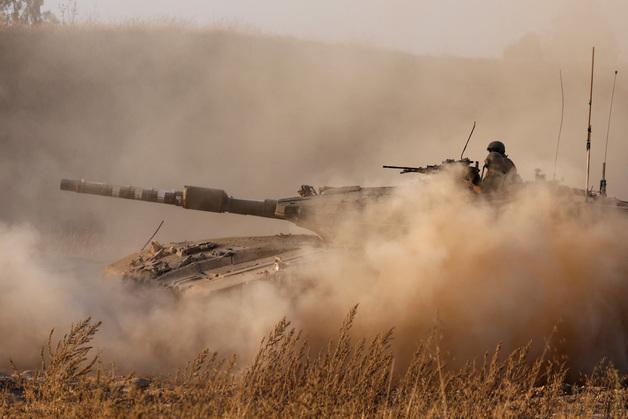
<point>471,169</point>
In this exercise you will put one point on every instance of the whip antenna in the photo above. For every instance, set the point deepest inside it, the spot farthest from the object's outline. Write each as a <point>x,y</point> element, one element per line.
<point>467,143</point>
<point>608,128</point>
<point>562,118</point>
<point>586,190</point>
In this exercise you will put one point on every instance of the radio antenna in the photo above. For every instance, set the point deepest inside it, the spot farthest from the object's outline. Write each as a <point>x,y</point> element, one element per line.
<point>562,118</point>
<point>467,143</point>
<point>608,128</point>
<point>586,190</point>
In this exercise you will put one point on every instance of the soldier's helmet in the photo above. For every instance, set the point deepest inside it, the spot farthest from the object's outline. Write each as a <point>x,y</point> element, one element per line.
<point>497,146</point>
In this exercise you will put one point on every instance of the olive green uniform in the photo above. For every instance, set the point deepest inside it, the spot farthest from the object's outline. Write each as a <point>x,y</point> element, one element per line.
<point>501,172</point>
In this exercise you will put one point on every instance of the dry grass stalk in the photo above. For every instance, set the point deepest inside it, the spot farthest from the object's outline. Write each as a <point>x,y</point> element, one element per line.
<point>285,379</point>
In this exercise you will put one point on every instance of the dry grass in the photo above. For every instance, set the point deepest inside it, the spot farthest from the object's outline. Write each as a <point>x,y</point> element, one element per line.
<point>286,379</point>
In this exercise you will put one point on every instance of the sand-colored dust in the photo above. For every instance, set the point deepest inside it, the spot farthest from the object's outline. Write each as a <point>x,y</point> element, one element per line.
<point>478,274</point>
<point>162,106</point>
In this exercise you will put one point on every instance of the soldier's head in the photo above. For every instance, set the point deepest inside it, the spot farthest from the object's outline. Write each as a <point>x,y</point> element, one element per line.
<point>497,146</point>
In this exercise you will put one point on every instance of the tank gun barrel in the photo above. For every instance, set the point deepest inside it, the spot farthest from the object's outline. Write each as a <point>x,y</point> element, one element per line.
<point>127,192</point>
<point>190,197</point>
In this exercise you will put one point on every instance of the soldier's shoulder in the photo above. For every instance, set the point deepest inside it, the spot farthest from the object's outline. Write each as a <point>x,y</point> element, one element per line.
<point>494,157</point>
<point>509,161</point>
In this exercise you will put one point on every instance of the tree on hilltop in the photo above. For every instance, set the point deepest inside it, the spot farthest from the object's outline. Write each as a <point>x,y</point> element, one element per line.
<point>26,12</point>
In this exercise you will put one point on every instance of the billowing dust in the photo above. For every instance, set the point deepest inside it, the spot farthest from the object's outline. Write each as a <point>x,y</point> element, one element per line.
<point>477,273</point>
<point>539,268</point>
<point>259,116</point>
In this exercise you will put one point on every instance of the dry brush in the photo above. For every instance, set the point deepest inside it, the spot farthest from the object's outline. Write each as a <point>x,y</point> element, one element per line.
<point>288,378</point>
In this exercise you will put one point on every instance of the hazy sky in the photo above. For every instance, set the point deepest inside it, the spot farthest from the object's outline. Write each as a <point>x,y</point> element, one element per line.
<point>460,27</point>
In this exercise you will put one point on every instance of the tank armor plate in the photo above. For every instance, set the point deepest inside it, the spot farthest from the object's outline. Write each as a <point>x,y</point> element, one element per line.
<point>214,265</point>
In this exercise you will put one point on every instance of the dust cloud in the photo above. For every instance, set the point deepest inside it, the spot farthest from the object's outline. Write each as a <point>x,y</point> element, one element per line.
<point>145,329</point>
<point>164,106</point>
<point>477,273</point>
<point>540,268</point>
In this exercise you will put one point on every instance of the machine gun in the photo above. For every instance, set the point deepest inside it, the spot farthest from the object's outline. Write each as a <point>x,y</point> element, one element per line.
<point>470,168</point>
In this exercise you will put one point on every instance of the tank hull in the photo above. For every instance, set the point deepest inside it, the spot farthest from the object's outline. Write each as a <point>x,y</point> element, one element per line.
<point>210,266</point>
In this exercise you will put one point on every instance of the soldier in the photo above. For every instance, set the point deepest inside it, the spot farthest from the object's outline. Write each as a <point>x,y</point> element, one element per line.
<point>500,170</point>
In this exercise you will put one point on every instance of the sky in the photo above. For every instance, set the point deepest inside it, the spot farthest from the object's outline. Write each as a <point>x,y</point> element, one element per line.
<point>443,27</point>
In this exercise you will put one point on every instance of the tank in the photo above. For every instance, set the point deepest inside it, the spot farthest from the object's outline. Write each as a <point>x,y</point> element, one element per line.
<point>220,264</point>
<point>215,265</point>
